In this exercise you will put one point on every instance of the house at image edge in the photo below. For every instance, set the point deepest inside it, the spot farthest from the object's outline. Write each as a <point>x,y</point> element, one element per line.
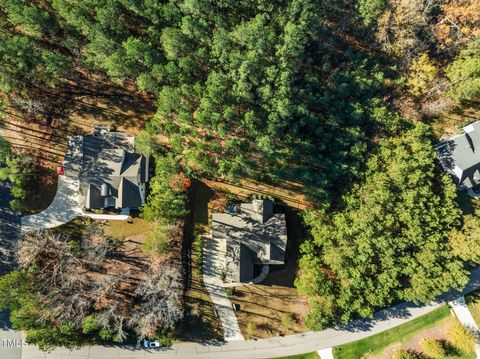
<point>112,173</point>
<point>460,156</point>
<point>253,235</point>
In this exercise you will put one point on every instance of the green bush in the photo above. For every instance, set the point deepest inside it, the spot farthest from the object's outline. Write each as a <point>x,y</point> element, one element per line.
<point>165,337</point>
<point>251,329</point>
<point>287,320</point>
<point>229,292</point>
<point>461,338</point>
<point>433,348</point>
<point>157,240</point>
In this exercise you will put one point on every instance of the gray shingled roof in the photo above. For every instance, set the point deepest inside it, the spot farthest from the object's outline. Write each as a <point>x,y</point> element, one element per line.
<point>460,156</point>
<point>255,235</point>
<point>110,162</point>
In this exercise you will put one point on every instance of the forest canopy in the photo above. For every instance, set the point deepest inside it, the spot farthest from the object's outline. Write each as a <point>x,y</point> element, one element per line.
<point>389,242</point>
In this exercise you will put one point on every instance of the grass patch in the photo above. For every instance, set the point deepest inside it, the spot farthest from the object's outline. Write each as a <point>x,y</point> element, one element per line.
<point>200,322</point>
<point>301,356</point>
<point>401,334</point>
<point>158,240</point>
<point>122,229</point>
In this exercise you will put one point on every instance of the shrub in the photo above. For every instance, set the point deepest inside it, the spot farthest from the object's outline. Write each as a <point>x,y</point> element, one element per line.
<point>199,249</point>
<point>287,320</point>
<point>195,309</point>
<point>229,292</point>
<point>461,338</point>
<point>165,337</point>
<point>251,329</point>
<point>433,348</point>
<point>157,240</point>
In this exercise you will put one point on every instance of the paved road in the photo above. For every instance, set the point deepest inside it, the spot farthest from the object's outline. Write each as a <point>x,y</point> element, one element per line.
<point>272,347</point>
<point>9,230</point>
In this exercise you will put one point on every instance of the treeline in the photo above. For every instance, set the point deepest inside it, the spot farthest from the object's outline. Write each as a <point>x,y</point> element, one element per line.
<point>18,170</point>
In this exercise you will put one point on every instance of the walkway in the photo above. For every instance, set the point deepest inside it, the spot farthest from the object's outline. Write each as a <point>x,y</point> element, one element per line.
<point>213,253</point>
<point>464,316</point>
<point>272,347</point>
<point>325,353</point>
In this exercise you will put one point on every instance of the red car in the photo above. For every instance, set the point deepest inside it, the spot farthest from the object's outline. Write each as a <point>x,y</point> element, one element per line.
<point>60,169</point>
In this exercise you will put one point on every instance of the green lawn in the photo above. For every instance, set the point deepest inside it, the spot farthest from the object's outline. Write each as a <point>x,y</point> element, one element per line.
<point>401,334</point>
<point>122,229</point>
<point>301,356</point>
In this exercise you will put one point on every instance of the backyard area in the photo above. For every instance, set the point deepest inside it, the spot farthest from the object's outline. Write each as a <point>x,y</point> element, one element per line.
<point>439,326</point>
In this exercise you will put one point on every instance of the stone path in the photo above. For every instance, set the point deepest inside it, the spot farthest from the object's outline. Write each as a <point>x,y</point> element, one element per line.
<point>213,253</point>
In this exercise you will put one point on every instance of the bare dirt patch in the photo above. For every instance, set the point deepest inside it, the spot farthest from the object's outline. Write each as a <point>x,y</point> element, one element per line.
<point>288,193</point>
<point>274,309</point>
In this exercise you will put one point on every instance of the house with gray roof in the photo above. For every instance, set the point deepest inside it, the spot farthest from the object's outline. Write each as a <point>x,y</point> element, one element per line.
<point>460,156</point>
<point>112,174</point>
<point>252,235</point>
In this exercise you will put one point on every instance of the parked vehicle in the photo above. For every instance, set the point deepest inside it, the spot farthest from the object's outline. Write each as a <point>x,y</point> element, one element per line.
<point>60,169</point>
<point>151,344</point>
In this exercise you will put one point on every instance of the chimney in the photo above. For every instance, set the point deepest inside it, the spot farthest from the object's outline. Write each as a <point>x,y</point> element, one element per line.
<point>263,209</point>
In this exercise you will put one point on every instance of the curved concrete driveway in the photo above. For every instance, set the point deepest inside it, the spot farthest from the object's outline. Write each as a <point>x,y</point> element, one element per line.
<point>272,347</point>
<point>66,204</point>
<point>64,208</point>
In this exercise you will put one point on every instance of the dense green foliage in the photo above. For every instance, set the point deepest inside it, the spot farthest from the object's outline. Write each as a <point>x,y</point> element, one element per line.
<point>389,242</point>
<point>244,88</point>
<point>166,201</point>
<point>17,295</point>
<point>464,73</point>
<point>17,169</point>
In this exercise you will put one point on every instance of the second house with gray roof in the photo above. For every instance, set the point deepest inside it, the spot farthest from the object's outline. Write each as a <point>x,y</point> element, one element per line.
<point>460,156</point>
<point>253,235</point>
